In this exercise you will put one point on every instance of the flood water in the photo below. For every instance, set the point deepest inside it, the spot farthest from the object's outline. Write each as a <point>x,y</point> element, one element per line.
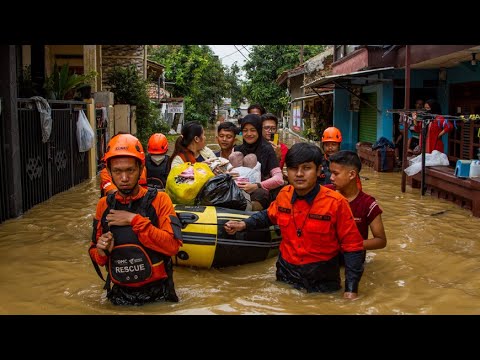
<point>430,264</point>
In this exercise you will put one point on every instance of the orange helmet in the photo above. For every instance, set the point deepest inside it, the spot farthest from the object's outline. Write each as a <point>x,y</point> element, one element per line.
<point>332,134</point>
<point>157,144</point>
<point>125,145</point>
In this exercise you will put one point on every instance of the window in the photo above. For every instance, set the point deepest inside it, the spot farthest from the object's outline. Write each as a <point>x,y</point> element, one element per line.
<point>343,50</point>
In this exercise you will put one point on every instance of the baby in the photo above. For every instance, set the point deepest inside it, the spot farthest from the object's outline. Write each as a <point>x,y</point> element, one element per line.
<point>248,168</point>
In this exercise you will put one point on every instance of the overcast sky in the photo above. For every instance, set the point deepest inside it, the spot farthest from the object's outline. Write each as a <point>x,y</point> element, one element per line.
<point>228,54</point>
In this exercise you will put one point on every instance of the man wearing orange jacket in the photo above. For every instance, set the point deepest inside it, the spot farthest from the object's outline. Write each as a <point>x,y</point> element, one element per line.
<point>316,225</point>
<point>331,141</point>
<point>135,231</point>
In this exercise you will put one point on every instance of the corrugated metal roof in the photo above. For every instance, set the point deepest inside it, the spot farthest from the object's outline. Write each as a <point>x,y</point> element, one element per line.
<point>331,78</point>
<point>306,97</point>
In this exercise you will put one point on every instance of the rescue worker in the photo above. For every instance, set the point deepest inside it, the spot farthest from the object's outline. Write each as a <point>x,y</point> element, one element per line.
<point>106,184</point>
<point>316,225</point>
<point>331,140</point>
<point>135,231</point>
<point>156,162</point>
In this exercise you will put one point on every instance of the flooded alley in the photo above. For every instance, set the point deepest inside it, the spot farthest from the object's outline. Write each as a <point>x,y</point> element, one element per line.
<point>430,264</point>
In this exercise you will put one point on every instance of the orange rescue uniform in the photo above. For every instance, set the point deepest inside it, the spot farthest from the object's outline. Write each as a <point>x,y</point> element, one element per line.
<point>326,226</point>
<point>160,239</point>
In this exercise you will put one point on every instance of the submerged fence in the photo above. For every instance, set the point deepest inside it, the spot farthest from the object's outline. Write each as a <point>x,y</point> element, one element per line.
<point>51,167</point>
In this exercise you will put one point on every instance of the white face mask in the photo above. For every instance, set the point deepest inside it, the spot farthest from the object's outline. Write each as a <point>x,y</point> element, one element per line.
<point>157,159</point>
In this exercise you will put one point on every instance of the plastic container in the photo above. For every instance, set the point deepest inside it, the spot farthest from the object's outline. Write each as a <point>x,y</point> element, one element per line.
<point>462,169</point>
<point>474,169</point>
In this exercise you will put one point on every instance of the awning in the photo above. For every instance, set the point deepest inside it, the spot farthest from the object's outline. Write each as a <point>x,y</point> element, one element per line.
<point>338,80</point>
<point>350,76</point>
<point>306,97</point>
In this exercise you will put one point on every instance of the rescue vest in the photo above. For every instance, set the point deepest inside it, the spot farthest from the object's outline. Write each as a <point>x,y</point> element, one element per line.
<point>157,174</point>
<point>130,263</point>
<point>311,236</point>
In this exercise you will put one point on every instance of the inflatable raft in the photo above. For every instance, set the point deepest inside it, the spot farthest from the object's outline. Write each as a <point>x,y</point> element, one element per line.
<point>206,243</point>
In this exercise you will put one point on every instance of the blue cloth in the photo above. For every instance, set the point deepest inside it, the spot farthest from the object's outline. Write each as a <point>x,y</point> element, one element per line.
<point>383,143</point>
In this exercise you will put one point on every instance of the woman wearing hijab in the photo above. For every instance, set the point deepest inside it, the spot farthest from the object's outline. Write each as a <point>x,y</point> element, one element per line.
<point>254,143</point>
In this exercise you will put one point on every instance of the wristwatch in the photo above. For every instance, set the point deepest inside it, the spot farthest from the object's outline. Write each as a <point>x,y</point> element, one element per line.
<point>259,185</point>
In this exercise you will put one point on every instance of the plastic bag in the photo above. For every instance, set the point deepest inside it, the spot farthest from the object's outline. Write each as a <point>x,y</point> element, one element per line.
<point>184,189</point>
<point>436,158</point>
<point>222,190</point>
<point>85,134</point>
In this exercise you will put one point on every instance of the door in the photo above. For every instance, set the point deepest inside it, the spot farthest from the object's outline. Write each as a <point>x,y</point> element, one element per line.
<point>368,118</point>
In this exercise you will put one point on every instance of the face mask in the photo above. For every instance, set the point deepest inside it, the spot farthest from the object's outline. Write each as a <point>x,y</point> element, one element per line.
<point>157,159</point>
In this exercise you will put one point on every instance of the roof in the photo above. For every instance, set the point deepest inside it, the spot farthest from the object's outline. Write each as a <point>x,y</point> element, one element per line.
<point>306,97</point>
<point>154,69</point>
<point>353,75</point>
<point>299,70</point>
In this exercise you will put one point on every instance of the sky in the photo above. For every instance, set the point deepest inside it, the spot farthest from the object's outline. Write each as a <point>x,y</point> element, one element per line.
<point>228,54</point>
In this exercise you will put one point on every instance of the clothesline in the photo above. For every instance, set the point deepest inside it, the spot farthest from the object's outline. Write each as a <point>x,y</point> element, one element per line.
<point>423,114</point>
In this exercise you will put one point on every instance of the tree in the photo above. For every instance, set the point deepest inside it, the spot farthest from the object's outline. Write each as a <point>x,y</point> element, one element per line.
<point>234,86</point>
<point>129,87</point>
<point>198,75</point>
<point>266,63</point>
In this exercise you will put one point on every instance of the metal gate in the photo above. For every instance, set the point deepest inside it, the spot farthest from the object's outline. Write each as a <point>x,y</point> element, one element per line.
<point>102,125</point>
<point>4,208</point>
<point>55,166</point>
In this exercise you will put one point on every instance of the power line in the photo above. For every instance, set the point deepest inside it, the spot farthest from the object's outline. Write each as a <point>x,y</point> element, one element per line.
<point>223,57</point>
<point>240,52</point>
<point>246,48</point>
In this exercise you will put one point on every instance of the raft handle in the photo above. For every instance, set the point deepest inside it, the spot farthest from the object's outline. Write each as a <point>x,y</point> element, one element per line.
<point>187,218</point>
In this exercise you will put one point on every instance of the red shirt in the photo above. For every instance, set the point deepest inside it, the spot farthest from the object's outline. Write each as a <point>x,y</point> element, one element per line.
<point>434,129</point>
<point>365,209</point>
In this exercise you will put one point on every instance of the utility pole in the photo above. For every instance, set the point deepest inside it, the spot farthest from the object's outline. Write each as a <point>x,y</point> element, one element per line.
<point>405,124</point>
<point>301,54</point>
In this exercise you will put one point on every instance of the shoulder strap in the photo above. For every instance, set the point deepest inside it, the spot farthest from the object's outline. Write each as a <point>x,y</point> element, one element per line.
<point>146,201</point>
<point>111,201</point>
<point>95,265</point>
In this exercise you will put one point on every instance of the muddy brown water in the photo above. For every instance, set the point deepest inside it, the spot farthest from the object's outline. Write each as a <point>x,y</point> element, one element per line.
<point>430,265</point>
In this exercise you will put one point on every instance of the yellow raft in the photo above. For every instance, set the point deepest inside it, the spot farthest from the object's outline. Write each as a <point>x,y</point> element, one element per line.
<point>206,243</point>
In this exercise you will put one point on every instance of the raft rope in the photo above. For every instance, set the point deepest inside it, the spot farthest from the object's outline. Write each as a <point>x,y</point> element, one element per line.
<point>221,224</point>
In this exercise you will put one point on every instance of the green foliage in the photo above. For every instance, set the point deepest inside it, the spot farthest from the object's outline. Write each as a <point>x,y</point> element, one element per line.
<point>61,82</point>
<point>129,87</point>
<point>25,83</point>
<point>234,86</point>
<point>266,63</point>
<point>199,78</point>
<point>311,134</point>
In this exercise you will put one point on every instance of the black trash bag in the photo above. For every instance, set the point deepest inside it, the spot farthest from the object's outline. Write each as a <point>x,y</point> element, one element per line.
<point>221,190</point>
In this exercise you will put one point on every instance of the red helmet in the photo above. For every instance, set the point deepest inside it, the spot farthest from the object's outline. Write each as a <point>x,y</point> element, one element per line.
<point>332,134</point>
<point>157,144</point>
<point>125,145</point>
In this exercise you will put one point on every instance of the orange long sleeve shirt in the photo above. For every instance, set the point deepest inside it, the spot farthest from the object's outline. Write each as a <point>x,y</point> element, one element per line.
<point>159,238</point>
